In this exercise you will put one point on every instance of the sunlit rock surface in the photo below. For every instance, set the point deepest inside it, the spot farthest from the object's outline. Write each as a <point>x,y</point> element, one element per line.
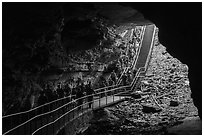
<point>166,100</point>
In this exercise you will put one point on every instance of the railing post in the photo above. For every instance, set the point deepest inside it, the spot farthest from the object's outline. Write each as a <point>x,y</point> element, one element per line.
<point>11,121</point>
<point>35,121</point>
<point>83,109</point>
<point>99,100</point>
<point>93,102</point>
<point>33,125</point>
<point>47,121</point>
<point>106,98</point>
<point>113,95</point>
<point>73,109</point>
<point>53,127</point>
<point>68,114</point>
<point>119,95</point>
<point>30,124</point>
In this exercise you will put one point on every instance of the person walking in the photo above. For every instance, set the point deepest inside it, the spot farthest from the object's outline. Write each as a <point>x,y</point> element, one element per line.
<point>114,77</point>
<point>67,90</point>
<point>124,79</point>
<point>89,92</point>
<point>73,92</point>
<point>79,95</point>
<point>41,101</point>
<point>55,95</point>
<point>60,92</point>
<point>49,94</point>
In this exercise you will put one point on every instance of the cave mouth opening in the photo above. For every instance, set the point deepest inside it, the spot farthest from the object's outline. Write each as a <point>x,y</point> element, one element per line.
<point>29,67</point>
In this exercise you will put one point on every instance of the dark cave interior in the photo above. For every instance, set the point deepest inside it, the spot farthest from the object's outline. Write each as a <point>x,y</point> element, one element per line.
<point>180,31</point>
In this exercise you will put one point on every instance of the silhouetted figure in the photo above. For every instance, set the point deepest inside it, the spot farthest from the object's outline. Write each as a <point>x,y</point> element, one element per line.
<point>114,77</point>
<point>49,94</point>
<point>134,73</point>
<point>102,82</point>
<point>55,95</point>
<point>124,79</point>
<point>110,82</point>
<point>41,101</point>
<point>130,78</point>
<point>42,98</point>
<point>89,91</point>
<point>79,80</point>
<point>74,92</point>
<point>60,91</point>
<point>67,90</point>
<point>79,94</point>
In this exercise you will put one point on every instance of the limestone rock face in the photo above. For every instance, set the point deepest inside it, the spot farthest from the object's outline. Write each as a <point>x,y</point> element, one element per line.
<point>170,76</point>
<point>167,103</point>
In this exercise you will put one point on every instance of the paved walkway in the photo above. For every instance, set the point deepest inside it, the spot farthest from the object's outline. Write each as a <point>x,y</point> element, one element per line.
<point>146,47</point>
<point>106,101</point>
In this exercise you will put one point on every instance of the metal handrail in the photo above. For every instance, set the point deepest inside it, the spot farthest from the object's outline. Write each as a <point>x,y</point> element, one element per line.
<point>37,116</point>
<point>55,101</point>
<point>114,84</point>
<point>93,100</point>
<point>49,103</point>
<point>102,92</point>
<point>125,70</point>
<point>46,113</point>
<point>142,34</point>
<point>78,107</point>
<point>132,84</point>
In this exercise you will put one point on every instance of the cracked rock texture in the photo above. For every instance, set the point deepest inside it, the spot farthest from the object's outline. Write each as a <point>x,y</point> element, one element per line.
<point>167,81</point>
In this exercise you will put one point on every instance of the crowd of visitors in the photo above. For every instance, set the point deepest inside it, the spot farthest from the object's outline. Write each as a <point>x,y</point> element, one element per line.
<point>78,89</point>
<point>116,77</point>
<point>71,90</point>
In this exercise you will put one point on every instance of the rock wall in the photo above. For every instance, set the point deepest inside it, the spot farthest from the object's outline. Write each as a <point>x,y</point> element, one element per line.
<point>165,101</point>
<point>31,45</point>
<point>40,39</point>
